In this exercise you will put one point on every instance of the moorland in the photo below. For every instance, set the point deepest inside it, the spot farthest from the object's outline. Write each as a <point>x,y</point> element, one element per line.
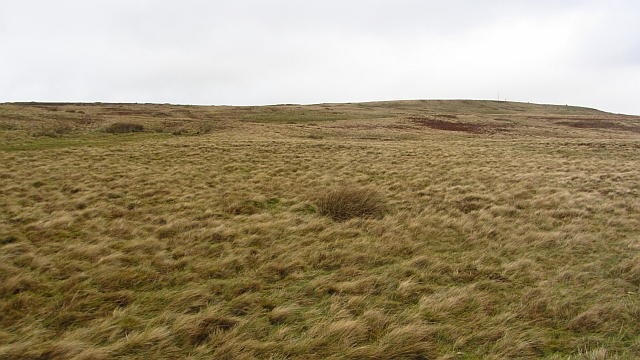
<point>383,230</point>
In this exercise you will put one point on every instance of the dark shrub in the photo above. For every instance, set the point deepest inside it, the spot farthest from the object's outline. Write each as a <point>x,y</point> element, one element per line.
<point>121,128</point>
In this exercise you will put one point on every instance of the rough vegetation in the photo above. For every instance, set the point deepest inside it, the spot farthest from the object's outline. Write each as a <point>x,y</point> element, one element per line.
<point>122,128</point>
<point>346,202</point>
<point>223,242</point>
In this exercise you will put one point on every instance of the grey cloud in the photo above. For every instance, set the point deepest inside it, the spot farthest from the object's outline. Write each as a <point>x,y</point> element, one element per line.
<point>256,52</point>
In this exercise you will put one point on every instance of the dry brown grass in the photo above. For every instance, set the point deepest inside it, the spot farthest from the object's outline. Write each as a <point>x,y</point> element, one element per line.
<point>347,202</point>
<point>520,243</point>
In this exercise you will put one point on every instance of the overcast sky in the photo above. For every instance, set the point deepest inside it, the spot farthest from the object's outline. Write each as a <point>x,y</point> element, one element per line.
<point>250,52</point>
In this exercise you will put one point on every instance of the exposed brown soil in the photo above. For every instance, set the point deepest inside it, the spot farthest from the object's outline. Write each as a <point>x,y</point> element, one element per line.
<point>473,128</point>
<point>620,123</point>
<point>598,124</point>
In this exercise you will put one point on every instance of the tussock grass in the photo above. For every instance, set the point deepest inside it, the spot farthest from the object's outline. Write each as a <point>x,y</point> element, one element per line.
<point>346,202</point>
<point>514,244</point>
<point>122,128</point>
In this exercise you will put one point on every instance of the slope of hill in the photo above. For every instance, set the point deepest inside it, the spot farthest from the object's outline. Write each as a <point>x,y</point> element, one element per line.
<point>404,229</point>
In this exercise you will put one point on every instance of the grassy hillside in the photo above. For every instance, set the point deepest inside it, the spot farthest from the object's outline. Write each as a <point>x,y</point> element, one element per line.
<point>386,230</point>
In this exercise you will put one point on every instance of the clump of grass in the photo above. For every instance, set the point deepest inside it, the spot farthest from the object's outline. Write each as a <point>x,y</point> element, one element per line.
<point>315,136</point>
<point>7,126</point>
<point>56,131</point>
<point>122,128</point>
<point>346,202</point>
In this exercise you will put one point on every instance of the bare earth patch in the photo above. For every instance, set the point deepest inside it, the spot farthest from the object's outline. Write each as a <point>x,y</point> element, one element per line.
<point>599,124</point>
<point>473,128</point>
